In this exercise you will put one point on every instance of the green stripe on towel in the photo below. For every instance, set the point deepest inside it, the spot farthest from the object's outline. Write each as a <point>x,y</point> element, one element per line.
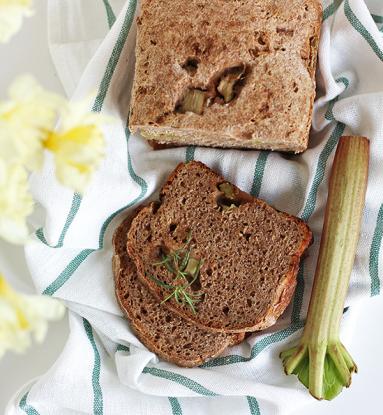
<point>190,151</point>
<point>97,106</point>
<point>180,379</point>
<point>329,113</point>
<point>253,405</point>
<point>358,26</point>
<point>329,11</point>
<point>28,409</point>
<point>98,401</point>
<point>70,269</point>
<point>175,405</point>
<point>376,18</point>
<point>76,202</point>
<point>109,13</point>
<point>122,348</point>
<point>375,252</point>
<point>257,348</point>
<point>137,179</point>
<point>115,56</point>
<point>67,272</point>
<point>259,172</point>
<point>298,294</point>
<point>321,169</point>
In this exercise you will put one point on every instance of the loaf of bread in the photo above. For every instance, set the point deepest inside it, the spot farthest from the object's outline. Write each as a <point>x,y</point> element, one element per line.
<point>226,73</point>
<point>215,255</point>
<point>163,332</point>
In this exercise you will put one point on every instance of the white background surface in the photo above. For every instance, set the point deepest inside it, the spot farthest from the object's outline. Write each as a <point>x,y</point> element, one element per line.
<point>28,52</point>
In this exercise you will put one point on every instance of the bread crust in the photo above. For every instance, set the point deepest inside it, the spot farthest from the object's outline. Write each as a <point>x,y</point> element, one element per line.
<point>285,289</point>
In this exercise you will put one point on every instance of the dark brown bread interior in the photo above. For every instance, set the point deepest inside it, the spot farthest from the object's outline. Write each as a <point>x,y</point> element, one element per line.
<point>161,331</point>
<point>250,252</point>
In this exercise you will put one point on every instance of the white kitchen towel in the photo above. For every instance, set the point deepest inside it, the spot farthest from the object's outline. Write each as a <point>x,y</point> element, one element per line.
<point>104,369</point>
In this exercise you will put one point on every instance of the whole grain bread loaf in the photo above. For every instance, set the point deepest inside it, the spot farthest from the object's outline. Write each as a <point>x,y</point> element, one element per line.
<point>226,73</point>
<point>161,331</point>
<point>216,255</point>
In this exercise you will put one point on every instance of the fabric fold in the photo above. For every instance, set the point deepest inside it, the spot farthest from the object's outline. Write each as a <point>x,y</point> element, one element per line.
<point>104,369</point>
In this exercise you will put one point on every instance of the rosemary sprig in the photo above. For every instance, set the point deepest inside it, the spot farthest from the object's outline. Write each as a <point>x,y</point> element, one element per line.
<point>184,268</point>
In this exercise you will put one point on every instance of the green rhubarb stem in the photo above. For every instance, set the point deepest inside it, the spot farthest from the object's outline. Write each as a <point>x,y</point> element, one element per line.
<point>329,364</point>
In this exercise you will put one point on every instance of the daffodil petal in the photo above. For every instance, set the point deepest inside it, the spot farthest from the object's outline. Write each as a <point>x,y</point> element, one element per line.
<point>16,203</point>
<point>24,315</point>
<point>12,13</point>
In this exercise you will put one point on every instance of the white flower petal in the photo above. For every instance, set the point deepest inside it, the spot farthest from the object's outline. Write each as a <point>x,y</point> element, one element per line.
<point>24,315</point>
<point>15,202</point>
<point>12,13</point>
<point>26,120</point>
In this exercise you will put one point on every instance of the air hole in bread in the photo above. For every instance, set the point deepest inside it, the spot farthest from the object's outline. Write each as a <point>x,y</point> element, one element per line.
<point>172,227</point>
<point>249,302</point>
<point>196,285</point>
<point>230,82</point>
<point>155,206</point>
<point>224,203</point>
<point>221,89</point>
<point>246,235</point>
<point>254,52</point>
<point>226,310</point>
<point>261,38</point>
<point>190,65</point>
<point>226,199</point>
<point>209,272</point>
<point>187,346</point>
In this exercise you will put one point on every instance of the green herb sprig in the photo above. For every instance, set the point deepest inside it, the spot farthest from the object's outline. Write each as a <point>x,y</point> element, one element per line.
<point>185,269</point>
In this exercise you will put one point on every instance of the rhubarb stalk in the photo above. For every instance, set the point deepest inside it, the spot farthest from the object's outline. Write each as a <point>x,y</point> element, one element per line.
<point>320,360</point>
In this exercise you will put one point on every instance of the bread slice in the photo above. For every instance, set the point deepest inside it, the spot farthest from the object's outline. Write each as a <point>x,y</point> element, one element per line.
<point>161,331</point>
<point>226,73</point>
<point>249,251</point>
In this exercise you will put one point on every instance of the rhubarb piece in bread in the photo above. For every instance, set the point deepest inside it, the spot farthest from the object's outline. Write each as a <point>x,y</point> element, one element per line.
<point>161,331</point>
<point>232,257</point>
<point>226,73</point>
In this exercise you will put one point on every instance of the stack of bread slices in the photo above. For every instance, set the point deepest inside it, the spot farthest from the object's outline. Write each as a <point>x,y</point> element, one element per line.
<point>204,265</point>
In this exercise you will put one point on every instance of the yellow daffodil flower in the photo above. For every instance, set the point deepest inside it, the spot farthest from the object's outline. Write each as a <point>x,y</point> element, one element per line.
<point>25,120</point>
<point>77,145</point>
<point>22,315</point>
<point>27,130</point>
<point>15,202</point>
<point>12,13</point>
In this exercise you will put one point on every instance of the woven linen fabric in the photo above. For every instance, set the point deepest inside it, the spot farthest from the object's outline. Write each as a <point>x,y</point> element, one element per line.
<point>104,369</point>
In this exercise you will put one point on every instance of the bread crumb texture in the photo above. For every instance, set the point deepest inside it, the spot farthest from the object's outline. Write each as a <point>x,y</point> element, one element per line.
<point>250,251</point>
<point>245,69</point>
<point>162,331</point>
